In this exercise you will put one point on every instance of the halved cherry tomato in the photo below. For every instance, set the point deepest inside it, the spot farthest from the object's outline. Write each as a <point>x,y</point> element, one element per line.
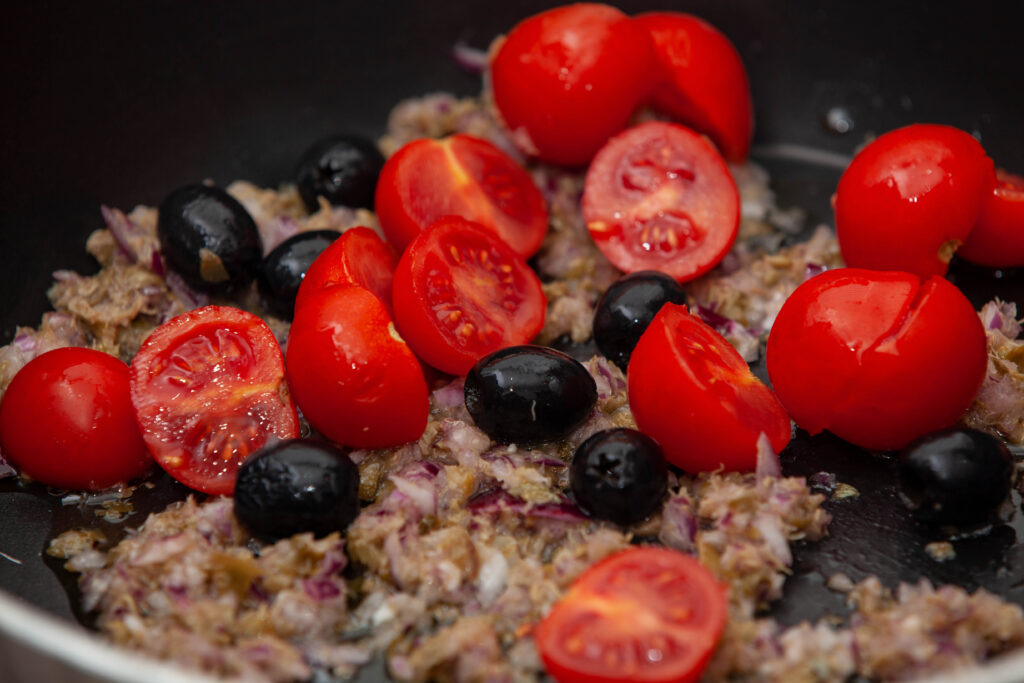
<point>354,378</point>
<point>876,357</point>
<point>66,420</point>
<point>997,239</point>
<point>693,393</point>
<point>567,79</point>
<point>659,197</point>
<point>704,83</point>
<point>459,176</point>
<point>358,257</point>
<point>208,390</point>
<point>909,199</point>
<point>644,614</point>
<point>460,293</point>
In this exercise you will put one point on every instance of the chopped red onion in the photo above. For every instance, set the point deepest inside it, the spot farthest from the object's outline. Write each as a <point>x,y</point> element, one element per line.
<point>451,394</point>
<point>5,469</point>
<point>321,589</point>
<point>495,501</point>
<point>66,276</point>
<point>121,229</point>
<point>767,461</point>
<point>188,296</point>
<point>473,60</point>
<point>813,269</point>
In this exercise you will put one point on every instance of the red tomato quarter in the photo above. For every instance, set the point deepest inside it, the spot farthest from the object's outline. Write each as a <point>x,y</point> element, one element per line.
<point>703,81</point>
<point>354,378</point>
<point>459,176</point>
<point>66,420</point>
<point>659,197</point>
<point>461,293</point>
<point>997,239</point>
<point>644,614</point>
<point>910,198</point>
<point>567,79</point>
<point>693,393</point>
<point>358,257</point>
<point>208,389</point>
<point>877,358</point>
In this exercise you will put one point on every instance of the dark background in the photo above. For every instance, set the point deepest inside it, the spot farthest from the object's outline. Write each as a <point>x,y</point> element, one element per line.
<point>121,103</point>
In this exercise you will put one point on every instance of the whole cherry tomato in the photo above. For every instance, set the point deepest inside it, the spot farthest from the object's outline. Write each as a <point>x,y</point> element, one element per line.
<point>358,257</point>
<point>693,393</point>
<point>643,614</point>
<point>659,197</point>
<point>354,378</point>
<point>997,239</point>
<point>66,420</point>
<point>703,81</point>
<point>567,79</point>
<point>876,357</point>
<point>910,198</point>
<point>460,293</point>
<point>208,390</point>
<point>459,176</point>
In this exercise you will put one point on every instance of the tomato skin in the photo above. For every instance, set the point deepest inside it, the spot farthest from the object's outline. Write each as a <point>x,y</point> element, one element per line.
<point>910,197</point>
<point>463,176</point>
<point>355,379</point>
<point>704,83</point>
<point>566,79</point>
<point>631,601</point>
<point>997,240</point>
<point>208,389</point>
<point>693,393</point>
<point>66,420</point>
<point>876,357</point>
<point>358,257</point>
<point>461,293</point>
<point>659,197</point>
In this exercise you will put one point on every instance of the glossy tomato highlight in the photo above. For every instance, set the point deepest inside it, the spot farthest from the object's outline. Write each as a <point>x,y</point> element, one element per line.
<point>66,420</point>
<point>567,79</point>
<point>358,257</point>
<point>353,376</point>
<point>643,614</point>
<point>208,390</point>
<point>459,176</point>
<point>909,199</point>
<point>877,358</point>
<point>659,197</point>
<point>692,392</point>
<point>997,239</point>
<point>703,81</point>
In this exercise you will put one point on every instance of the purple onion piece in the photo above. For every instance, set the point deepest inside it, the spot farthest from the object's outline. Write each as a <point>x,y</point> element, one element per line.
<point>26,342</point>
<point>321,589</point>
<point>470,59</point>
<point>451,394</point>
<point>767,460</point>
<point>813,269</point>
<point>190,297</point>
<point>496,500</point>
<point>121,229</point>
<point>6,470</point>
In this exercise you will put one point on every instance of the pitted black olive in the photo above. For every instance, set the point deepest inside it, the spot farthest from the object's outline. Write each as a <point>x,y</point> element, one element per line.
<point>342,169</point>
<point>209,239</point>
<point>628,307</point>
<point>956,476</point>
<point>618,475</point>
<point>296,486</point>
<point>282,270</point>
<point>529,394</point>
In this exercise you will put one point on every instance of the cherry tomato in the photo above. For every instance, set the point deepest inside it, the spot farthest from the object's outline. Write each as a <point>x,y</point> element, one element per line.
<point>659,197</point>
<point>876,357</point>
<point>997,239</point>
<point>644,614</point>
<point>208,390</point>
<point>354,378</point>
<point>460,176</point>
<point>358,257</point>
<point>66,420</point>
<point>461,293</point>
<point>910,198</point>
<point>704,83</point>
<point>567,79</point>
<point>693,393</point>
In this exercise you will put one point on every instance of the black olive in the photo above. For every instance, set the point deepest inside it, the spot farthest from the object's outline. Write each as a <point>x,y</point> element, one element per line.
<point>628,307</point>
<point>208,238</point>
<point>956,476</point>
<point>282,270</point>
<point>342,169</point>
<point>296,486</point>
<point>618,475</point>
<point>529,394</point>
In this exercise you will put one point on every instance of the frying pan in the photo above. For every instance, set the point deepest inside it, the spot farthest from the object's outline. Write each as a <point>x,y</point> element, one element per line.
<point>120,103</point>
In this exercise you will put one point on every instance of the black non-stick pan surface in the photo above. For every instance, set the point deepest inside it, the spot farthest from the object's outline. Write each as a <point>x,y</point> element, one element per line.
<point>119,103</point>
